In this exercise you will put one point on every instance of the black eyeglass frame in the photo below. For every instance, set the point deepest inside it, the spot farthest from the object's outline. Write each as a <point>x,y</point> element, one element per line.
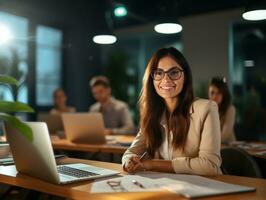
<point>167,72</point>
<point>116,185</point>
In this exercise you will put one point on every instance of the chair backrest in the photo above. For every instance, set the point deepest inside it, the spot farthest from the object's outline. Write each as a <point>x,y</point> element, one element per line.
<point>238,162</point>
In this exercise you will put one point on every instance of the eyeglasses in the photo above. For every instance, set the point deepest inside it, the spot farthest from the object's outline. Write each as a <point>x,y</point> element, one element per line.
<point>173,73</point>
<point>116,186</point>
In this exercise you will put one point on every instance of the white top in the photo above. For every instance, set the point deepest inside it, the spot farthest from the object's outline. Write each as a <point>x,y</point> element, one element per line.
<point>166,149</point>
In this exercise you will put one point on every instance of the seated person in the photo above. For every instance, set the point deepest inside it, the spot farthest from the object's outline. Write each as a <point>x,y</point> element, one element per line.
<point>60,103</point>
<point>178,133</point>
<point>219,92</point>
<point>117,119</point>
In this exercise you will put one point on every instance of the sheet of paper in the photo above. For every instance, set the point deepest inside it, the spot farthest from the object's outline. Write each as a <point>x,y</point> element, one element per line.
<point>193,185</point>
<point>257,146</point>
<point>187,185</point>
<point>202,187</point>
<point>125,184</point>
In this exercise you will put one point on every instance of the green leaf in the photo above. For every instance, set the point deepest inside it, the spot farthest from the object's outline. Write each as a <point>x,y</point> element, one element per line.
<point>8,80</point>
<point>17,124</point>
<point>7,106</point>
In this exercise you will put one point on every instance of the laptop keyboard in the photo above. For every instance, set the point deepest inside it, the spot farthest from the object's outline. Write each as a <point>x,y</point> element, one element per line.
<point>74,172</point>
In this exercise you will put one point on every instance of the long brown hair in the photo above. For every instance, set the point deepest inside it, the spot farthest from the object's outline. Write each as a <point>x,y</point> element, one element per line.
<point>152,106</point>
<point>221,84</point>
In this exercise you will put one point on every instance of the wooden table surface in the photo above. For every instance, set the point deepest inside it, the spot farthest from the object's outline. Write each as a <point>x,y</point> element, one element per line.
<point>81,190</point>
<point>118,145</point>
<point>254,148</point>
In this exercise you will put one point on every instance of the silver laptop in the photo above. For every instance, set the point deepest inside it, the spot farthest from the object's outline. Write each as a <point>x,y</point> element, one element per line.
<point>85,128</point>
<point>54,122</point>
<point>36,158</point>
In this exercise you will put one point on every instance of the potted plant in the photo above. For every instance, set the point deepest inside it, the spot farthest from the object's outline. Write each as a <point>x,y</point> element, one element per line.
<point>9,107</point>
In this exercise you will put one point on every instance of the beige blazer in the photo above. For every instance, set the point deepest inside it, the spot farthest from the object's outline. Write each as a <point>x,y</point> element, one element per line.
<point>201,153</point>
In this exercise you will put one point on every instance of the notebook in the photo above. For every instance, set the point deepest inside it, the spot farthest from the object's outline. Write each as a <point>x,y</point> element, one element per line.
<point>85,128</point>
<point>36,158</point>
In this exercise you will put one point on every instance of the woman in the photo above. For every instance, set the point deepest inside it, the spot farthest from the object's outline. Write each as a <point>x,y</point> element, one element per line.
<point>179,133</point>
<point>219,92</point>
<point>60,103</point>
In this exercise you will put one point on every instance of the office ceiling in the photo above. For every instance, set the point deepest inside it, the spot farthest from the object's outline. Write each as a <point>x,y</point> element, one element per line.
<point>140,12</point>
<point>144,11</point>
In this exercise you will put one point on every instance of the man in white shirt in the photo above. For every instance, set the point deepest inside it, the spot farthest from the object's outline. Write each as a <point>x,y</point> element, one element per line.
<point>116,115</point>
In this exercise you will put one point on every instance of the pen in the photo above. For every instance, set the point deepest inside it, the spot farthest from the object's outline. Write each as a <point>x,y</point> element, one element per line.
<point>137,183</point>
<point>143,155</point>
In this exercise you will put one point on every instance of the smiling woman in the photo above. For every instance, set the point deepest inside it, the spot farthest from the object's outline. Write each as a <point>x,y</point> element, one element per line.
<point>168,87</point>
<point>179,133</point>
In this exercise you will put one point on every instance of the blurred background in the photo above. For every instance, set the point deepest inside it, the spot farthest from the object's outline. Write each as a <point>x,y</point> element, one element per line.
<point>49,44</point>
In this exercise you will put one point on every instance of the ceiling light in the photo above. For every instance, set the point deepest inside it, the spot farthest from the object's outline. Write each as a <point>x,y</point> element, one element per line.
<point>105,34</point>
<point>104,39</point>
<point>255,10</point>
<point>168,28</point>
<point>120,11</point>
<point>254,15</point>
<point>5,34</point>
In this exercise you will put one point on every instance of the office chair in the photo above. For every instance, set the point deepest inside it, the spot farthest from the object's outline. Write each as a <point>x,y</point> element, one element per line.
<point>238,162</point>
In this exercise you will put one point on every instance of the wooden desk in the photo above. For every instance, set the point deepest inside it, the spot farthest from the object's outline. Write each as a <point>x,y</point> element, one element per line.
<point>113,146</point>
<point>8,175</point>
<point>255,148</point>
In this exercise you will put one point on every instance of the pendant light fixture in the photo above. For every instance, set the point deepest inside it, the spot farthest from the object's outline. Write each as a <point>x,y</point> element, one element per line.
<point>255,11</point>
<point>168,22</point>
<point>105,36</point>
<point>168,27</point>
<point>104,39</point>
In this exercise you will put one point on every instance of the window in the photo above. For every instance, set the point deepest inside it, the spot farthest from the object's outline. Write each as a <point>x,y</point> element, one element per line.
<point>48,64</point>
<point>14,55</point>
<point>248,74</point>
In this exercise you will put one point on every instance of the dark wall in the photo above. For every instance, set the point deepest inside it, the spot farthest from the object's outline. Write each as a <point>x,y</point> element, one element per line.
<point>79,21</point>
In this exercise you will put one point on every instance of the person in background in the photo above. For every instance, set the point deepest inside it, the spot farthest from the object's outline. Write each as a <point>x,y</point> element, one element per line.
<point>117,119</point>
<point>60,106</point>
<point>178,133</point>
<point>219,92</point>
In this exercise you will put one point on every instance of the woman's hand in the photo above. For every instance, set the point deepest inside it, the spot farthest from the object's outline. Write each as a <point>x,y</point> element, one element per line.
<point>133,164</point>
